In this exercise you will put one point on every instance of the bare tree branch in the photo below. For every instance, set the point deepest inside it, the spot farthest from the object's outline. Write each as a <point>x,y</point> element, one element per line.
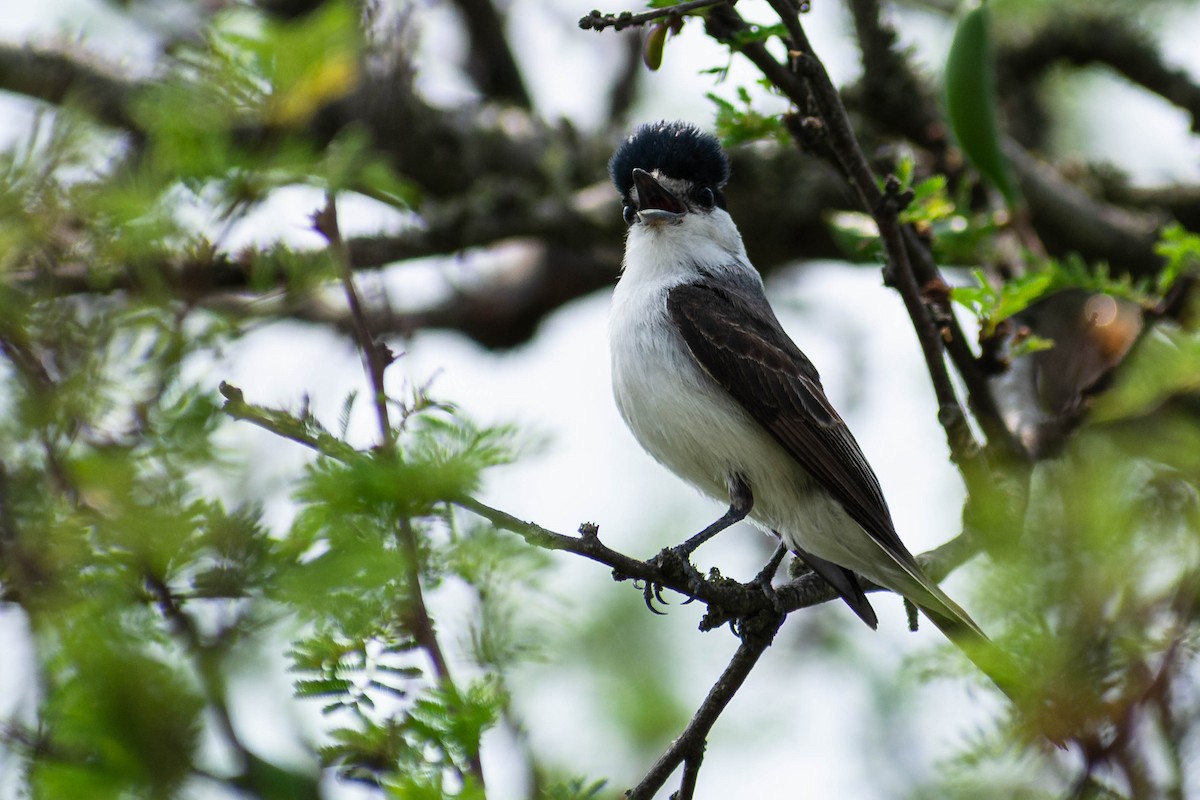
<point>60,78</point>
<point>491,64</point>
<point>1069,220</point>
<point>807,82</point>
<point>1181,202</point>
<point>688,749</point>
<point>486,179</point>
<point>891,90</point>
<point>1099,38</point>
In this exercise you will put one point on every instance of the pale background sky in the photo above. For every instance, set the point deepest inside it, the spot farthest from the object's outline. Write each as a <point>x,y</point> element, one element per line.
<point>797,721</point>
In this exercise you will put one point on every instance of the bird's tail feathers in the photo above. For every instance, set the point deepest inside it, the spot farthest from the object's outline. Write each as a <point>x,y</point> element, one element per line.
<point>844,582</point>
<point>963,632</point>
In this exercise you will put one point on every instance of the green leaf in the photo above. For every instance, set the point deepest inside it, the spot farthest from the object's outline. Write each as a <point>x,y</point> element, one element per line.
<point>328,687</point>
<point>971,100</point>
<point>993,306</point>
<point>136,716</point>
<point>652,48</point>
<point>1046,276</point>
<point>856,234</point>
<point>742,122</point>
<point>306,62</point>
<point>1164,364</point>
<point>1181,249</point>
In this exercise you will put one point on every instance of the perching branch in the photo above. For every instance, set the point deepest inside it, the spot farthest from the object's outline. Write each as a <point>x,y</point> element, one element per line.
<point>734,600</point>
<point>755,616</point>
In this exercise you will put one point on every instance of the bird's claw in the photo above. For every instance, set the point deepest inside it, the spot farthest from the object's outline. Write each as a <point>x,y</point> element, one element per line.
<point>652,592</point>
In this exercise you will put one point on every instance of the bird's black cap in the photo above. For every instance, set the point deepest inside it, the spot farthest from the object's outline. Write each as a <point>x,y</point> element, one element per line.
<point>677,150</point>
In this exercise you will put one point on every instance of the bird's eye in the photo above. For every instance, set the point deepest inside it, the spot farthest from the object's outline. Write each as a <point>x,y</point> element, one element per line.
<point>705,197</point>
<point>629,213</point>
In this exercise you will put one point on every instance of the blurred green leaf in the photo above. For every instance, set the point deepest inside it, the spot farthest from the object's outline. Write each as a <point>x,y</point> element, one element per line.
<point>993,305</point>
<point>574,789</point>
<point>135,718</point>
<point>306,62</point>
<point>1165,363</point>
<point>742,122</point>
<point>652,48</point>
<point>971,101</point>
<point>1181,249</point>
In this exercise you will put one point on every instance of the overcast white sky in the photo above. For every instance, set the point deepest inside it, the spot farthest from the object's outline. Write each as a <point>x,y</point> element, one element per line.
<point>793,718</point>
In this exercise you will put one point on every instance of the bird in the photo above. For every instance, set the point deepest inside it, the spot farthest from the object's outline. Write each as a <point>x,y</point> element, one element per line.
<point>713,388</point>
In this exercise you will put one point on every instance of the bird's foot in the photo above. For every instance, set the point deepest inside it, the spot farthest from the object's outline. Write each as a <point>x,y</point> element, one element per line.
<point>674,563</point>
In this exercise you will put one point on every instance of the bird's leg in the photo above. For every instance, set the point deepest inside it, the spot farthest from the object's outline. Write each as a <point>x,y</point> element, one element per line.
<point>741,500</point>
<point>763,579</point>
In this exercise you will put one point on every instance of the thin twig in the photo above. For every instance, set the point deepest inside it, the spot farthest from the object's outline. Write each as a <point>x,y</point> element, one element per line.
<point>376,356</point>
<point>184,627</point>
<point>963,446</point>
<point>376,359</point>
<point>421,624</point>
<point>626,19</point>
<point>807,79</point>
<point>895,95</point>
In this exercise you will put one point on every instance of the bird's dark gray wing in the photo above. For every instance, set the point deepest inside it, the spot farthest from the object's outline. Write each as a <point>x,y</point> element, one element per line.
<point>735,337</point>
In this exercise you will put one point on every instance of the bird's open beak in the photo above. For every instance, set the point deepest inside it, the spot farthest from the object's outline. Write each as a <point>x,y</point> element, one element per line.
<point>654,203</point>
